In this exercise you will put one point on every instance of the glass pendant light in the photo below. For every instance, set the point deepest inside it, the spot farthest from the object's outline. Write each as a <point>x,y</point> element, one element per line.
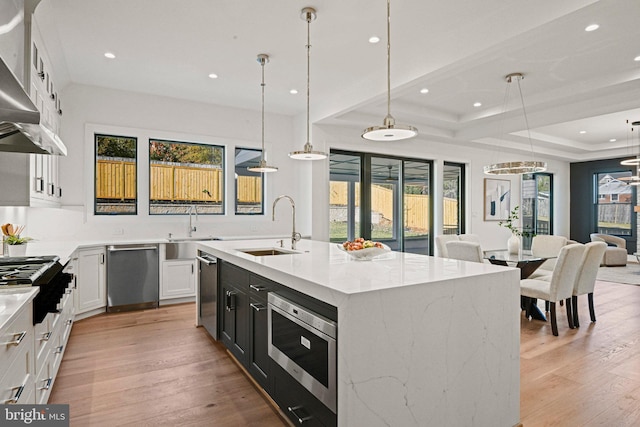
<point>389,131</point>
<point>308,153</point>
<point>262,166</point>
<point>522,166</point>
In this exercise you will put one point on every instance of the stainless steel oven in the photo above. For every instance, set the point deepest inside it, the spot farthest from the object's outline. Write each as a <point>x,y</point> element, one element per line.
<point>303,343</point>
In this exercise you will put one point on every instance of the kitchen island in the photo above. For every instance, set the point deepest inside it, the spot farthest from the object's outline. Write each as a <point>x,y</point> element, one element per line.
<point>421,340</point>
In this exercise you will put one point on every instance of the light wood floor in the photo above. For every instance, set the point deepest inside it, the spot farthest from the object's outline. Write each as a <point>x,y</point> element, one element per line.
<point>154,368</point>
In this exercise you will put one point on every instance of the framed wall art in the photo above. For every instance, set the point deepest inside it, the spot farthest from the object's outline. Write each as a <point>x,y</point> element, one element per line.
<point>497,199</point>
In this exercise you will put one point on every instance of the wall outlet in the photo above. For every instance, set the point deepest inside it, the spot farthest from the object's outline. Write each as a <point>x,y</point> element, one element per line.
<point>118,231</point>
<point>253,228</point>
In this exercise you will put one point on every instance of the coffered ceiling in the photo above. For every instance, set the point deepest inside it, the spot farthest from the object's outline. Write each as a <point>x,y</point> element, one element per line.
<point>460,50</point>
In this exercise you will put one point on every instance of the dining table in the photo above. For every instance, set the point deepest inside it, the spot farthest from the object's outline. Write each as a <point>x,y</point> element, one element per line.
<point>527,263</point>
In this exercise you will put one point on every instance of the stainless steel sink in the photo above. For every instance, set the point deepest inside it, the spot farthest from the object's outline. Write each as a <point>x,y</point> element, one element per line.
<point>268,251</point>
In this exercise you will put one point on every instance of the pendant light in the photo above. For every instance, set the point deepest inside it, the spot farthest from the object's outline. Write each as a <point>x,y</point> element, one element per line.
<point>635,161</point>
<point>262,166</point>
<point>522,166</point>
<point>389,131</point>
<point>308,153</point>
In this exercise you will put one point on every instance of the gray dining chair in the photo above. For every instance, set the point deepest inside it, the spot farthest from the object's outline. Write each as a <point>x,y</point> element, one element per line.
<point>560,287</point>
<point>586,280</point>
<point>465,251</point>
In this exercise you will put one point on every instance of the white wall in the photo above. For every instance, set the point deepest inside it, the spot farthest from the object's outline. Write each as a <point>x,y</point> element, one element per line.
<point>89,109</point>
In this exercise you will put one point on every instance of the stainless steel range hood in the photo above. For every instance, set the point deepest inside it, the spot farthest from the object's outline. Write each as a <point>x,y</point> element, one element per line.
<point>20,127</point>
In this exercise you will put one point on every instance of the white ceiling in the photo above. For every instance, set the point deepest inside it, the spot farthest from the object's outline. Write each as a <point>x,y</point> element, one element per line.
<point>460,50</point>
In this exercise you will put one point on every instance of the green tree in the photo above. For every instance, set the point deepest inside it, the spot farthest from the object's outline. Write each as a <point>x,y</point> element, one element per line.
<point>116,146</point>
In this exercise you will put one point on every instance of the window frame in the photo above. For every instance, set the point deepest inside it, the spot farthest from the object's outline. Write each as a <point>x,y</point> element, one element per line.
<point>262,176</point>
<point>96,135</point>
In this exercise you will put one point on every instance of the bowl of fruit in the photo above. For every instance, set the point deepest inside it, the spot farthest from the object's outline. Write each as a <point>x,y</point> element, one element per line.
<point>363,250</point>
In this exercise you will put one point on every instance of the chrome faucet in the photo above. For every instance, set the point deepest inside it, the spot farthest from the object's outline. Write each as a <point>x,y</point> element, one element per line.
<point>294,235</point>
<point>192,209</point>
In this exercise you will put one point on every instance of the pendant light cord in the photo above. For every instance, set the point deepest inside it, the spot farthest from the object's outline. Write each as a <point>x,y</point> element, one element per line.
<point>388,57</point>
<point>308,72</point>
<point>526,120</point>
<point>262,85</point>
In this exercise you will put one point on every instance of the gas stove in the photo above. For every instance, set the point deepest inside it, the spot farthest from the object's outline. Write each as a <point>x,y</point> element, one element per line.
<point>26,271</point>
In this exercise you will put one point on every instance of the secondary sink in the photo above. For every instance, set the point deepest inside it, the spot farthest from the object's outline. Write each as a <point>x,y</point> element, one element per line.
<point>268,251</point>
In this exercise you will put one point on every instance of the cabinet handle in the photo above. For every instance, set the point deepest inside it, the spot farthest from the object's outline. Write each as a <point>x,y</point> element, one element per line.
<point>59,349</point>
<point>231,300</point>
<point>101,258</point>
<point>68,290</point>
<point>191,268</point>
<point>301,419</point>
<point>70,322</point>
<point>17,341</point>
<point>257,307</point>
<point>16,396</point>
<point>46,336</point>
<point>258,288</point>
<point>51,189</point>
<point>39,185</point>
<point>47,384</point>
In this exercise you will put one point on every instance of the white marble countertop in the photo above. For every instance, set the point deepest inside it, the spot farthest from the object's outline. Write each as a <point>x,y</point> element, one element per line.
<point>320,268</point>
<point>12,300</point>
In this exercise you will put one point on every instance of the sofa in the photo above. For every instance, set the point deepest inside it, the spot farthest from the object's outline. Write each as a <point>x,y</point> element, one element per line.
<point>616,253</point>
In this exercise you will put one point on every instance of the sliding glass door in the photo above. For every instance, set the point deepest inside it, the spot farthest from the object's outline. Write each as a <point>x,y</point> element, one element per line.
<point>381,198</point>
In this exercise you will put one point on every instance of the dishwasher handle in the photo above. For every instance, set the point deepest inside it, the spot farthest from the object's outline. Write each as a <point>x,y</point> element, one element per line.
<point>132,248</point>
<point>208,261</point>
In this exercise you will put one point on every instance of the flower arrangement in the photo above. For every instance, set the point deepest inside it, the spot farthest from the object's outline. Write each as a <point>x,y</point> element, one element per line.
<point>510,224</point>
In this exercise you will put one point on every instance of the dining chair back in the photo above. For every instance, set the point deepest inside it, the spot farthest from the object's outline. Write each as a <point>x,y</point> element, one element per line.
<point>547,246</point>
<point>441,243</point>
<point>560,287</point>
<point>465,251</point>
<point>586,279</point>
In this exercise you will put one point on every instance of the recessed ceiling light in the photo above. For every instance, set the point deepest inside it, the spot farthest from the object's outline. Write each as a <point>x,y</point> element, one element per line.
<point>293,91</point>
<point>374,39</point>
<point>612,140</point>
<point>583,131</point>
<point>213,76</point>
<point>592,27</point>
<point>637,58</point>
<point>109,55</point>
<point>477,104</point>
<point>424,90</point>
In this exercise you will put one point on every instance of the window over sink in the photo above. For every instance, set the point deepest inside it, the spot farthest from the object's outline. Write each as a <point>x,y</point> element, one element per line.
<point>185,174</point>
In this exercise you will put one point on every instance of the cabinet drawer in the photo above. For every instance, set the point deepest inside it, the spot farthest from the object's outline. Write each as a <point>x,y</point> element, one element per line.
<point>17,335</point>
<point>42,337</point>
<point>17,384</point>
<point>297,403</point>
<point>259,286</point>
<point>43,382</point>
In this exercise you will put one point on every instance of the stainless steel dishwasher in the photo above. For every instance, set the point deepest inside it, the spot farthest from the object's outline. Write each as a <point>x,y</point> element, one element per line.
<point>132,277</point>
<point>208,292</point>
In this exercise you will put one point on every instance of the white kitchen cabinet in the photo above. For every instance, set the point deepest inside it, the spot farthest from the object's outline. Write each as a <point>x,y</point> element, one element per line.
<point>178,279</point>
<point>90,280</point>
<point>17,359</point>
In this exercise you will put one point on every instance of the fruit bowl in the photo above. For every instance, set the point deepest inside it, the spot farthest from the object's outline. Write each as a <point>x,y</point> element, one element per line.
<point>366,254</point>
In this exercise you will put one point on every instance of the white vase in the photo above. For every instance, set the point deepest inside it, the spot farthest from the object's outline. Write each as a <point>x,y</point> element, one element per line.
<point>513,244</point>
<point>17,250</point>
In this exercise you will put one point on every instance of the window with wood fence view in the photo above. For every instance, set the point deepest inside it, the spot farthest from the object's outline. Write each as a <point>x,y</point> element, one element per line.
<point>181,175</point>
<point>116,175</point>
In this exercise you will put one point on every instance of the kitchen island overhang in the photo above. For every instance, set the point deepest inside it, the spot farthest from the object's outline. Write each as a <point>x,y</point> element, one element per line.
<point>421,340</point>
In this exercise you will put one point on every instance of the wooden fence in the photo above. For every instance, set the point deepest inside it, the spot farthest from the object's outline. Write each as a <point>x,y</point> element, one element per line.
<point>416,206</point>
<point>116,180</point>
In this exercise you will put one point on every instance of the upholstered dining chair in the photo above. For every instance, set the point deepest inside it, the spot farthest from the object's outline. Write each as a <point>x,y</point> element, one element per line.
<point>560,287</point>
<point>441,243</point>
<point>546,246</point>
<point>586,279</point>
<point>465,251</point>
